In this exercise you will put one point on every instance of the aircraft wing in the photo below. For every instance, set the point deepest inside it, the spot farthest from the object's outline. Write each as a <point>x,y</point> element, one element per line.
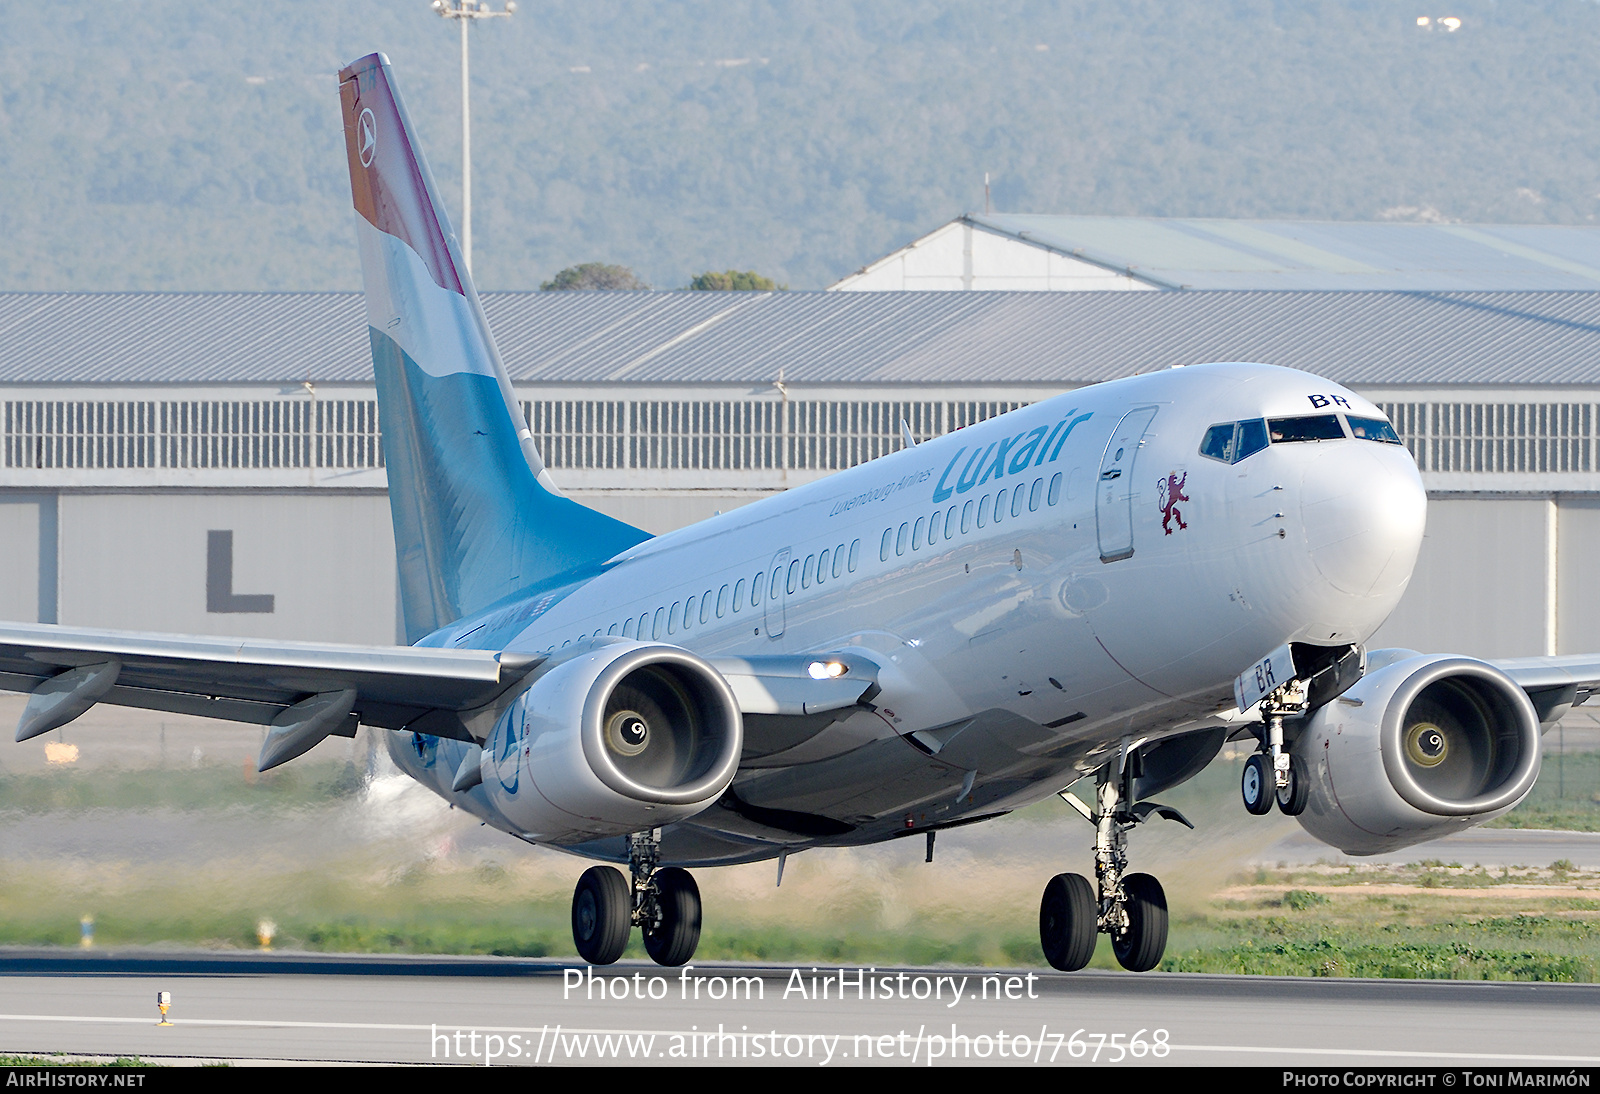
<point>69,669</point>
<point>1555,684</point>
<point>307,691</point>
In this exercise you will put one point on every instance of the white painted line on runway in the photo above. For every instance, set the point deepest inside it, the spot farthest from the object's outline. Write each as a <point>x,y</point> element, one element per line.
<point>1267,1050</point>
<point>1396,1054</point>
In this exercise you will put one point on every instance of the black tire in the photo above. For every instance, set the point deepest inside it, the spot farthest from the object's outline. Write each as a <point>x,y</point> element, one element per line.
<point>602,915</point>
<point>1292,798</point>
<point>1067,915</point>
<point>1140,947</point>
<point>1256,785</point>
<point>673,939</point>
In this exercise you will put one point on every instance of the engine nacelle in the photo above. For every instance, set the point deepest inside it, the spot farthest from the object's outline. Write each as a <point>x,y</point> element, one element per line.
<point>1415,750</point>
<point>613,740</point>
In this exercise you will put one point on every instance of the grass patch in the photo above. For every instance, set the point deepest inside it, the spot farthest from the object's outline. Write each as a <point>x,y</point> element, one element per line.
<point>210,786</point>
<point>1567,796</point>
<point>1431,922</point>
<point>53,1060</point>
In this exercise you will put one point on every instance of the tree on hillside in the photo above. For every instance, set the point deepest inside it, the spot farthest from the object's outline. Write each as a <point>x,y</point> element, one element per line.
<point>594,275</point>
<point>736,280</point>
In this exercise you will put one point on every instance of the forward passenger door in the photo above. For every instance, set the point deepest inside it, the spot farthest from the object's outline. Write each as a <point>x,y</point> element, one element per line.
<point>1115,490</point>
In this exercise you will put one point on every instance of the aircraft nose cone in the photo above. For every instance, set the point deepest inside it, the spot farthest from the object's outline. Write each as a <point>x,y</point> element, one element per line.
<point>1363,508</point>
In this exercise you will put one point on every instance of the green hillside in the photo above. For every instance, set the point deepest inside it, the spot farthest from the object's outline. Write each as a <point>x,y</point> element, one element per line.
<point>146,144</point>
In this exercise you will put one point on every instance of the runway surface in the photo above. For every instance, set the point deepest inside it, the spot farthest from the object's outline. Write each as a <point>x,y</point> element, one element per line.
<point>328,1008</point>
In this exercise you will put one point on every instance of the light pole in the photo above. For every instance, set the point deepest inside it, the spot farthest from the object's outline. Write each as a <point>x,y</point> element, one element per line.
<point>464,12</point>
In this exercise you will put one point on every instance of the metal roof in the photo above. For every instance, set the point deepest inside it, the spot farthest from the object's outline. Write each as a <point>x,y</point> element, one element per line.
<point>1360,338</point>
<point>1320,255</point>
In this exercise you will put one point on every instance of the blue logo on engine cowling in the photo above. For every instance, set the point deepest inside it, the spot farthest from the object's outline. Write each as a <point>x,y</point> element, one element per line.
<point>426,748</point>
<point>503,744</point>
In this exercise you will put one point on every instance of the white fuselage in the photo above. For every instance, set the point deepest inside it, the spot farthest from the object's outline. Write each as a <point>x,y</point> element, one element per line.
<point>1105,598</point>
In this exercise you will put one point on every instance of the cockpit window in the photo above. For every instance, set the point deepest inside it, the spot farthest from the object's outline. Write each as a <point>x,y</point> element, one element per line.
<point>1315,427</point>
<point>1252,438</point>
<point>1231,442</point>
<point>1373,429</point>
<point>1219,442</point>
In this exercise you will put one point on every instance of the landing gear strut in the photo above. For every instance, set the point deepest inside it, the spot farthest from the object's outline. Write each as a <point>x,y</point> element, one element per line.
<point>664,903</point>
<point>1274,773</point>
<point>1131,908</point>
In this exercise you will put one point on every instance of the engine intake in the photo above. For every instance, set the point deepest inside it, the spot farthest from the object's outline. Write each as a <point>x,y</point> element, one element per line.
<point>613,739</point>
<point>1459,738</point>
<point>661,725</point>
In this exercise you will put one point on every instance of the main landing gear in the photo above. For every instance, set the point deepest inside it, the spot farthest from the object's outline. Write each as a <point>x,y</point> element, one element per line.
<point>663,902</point>
<point>1274,774</point>
<point>1131,908</point>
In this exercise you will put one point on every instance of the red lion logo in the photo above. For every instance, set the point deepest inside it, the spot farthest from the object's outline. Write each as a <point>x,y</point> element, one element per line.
<point>1171,493</point>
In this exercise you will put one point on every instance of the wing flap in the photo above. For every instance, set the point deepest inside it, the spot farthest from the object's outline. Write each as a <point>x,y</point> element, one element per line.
<point>253,681</point>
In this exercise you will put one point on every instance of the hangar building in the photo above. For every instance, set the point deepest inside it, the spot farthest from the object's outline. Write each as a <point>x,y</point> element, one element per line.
<point>1034,252</point>
<point>211,463</point>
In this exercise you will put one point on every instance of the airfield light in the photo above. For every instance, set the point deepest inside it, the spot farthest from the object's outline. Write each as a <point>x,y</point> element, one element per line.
<point>265,931</point>
<point>163,1001</point>
<point>464,12</point>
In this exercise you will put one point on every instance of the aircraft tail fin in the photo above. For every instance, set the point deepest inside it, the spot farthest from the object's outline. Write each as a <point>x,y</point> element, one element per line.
<point>476,517</point>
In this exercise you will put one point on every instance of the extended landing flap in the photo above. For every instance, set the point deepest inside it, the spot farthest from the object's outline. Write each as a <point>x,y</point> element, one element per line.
<point>798,683</point>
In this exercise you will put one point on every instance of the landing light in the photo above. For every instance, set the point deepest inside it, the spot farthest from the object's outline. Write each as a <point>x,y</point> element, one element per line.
<point>827,670</point>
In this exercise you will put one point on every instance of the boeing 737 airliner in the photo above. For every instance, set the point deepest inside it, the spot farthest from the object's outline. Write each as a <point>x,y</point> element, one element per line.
<point>1111,583</point>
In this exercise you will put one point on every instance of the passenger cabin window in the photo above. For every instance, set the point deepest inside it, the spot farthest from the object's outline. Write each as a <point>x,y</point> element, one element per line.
<point>1372,429</point>
<point>1313,427</point>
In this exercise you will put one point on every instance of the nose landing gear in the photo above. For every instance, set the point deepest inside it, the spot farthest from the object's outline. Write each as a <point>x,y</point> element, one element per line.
<point>663,903</point>
<point>1275,774</point>
<point>1131,908</point>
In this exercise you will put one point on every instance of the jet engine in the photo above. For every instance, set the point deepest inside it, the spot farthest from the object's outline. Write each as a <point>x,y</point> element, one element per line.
<point>612,740</point>
<point>1417,749</point>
